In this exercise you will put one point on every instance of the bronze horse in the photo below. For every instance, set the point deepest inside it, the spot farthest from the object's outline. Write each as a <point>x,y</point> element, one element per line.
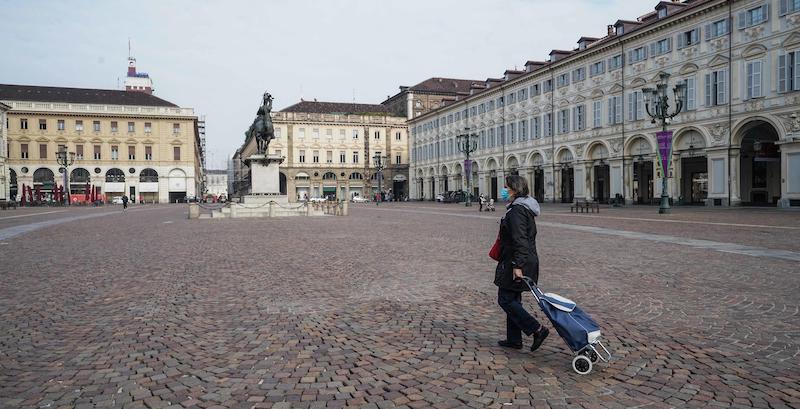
<point>262,127</point>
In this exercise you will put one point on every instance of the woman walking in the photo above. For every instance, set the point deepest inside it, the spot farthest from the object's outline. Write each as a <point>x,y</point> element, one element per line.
<point>518,258</point>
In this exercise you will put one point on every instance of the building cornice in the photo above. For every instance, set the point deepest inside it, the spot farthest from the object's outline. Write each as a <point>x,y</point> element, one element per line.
<point>57,108</point>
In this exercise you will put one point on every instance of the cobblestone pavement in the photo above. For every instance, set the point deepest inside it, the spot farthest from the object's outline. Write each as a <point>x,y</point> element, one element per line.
<point>391,307</point>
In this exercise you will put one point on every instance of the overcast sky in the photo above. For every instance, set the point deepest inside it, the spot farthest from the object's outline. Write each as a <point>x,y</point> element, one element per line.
<point>219,57</point>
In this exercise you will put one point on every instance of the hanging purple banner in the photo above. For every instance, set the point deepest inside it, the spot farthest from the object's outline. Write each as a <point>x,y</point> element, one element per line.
<point>664,141</point>
<point>468,168</point>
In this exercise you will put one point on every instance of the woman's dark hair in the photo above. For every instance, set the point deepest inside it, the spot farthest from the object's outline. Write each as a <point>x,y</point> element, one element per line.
<point>518,184</point>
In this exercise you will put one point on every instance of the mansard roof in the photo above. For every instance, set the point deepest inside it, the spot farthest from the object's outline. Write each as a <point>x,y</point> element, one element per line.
<point>10,92</point>
<point>344,108</point>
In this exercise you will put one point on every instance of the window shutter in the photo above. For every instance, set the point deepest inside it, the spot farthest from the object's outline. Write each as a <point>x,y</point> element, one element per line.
<point>669,44</point>
<point>653,49</point>
<point>639,105</point>
<point>708,32</point>
<point>644,53</point>
<point>757,91</point>
<point>722,88</point>
<point>782,73</point>
<point>695,36</point>
<point>750,80</point>
<point>618,110</point>
<point>784,7</point>
<point>631,97</point>
<point>611,111</point>
<point>765,9</point>
<point>630,55</point>
<point>742,19</point>
<point>681,40</point>
<point>796,58</point>
<point>708,90</point>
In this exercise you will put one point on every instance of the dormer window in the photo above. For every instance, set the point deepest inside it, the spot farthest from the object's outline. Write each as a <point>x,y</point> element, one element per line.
<point>620,30</point>
<point>662,12</point>
<point>582,45</point>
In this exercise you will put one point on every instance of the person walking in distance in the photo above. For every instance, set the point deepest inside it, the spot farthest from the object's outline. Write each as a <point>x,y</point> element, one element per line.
<point>481,202</point>
<point>518,258</point>
<point>124,202</point>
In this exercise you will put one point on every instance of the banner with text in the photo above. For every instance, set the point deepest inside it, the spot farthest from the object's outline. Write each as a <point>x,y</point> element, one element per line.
<point>664,141</point>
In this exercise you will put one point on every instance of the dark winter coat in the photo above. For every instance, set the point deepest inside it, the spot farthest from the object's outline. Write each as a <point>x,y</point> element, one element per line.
<point>518,244</point>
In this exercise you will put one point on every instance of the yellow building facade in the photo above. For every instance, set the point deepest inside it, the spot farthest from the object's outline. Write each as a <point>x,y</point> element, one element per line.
<point>329,150</point>
<point>125,143</point>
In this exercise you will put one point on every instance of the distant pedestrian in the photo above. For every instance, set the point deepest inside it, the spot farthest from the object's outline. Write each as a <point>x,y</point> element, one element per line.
<point>124,202</point>
<point>481,202</point>
<point>518,258</point>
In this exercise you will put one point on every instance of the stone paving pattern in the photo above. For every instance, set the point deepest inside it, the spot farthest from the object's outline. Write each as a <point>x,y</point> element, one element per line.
<point>392,307</point>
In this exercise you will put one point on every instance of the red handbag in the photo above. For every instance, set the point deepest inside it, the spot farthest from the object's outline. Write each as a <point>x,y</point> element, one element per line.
<point>494,252</point>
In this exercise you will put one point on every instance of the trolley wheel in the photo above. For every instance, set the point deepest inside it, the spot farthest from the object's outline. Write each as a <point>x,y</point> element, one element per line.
<point>581,364</point>
<point>592,355</point>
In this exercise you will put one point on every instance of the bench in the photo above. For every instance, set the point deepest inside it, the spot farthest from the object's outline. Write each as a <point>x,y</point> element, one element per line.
<point>585,206</point>
<point>6,204</point>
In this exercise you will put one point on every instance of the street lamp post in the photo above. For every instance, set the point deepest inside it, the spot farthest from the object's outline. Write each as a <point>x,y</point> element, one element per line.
<point>378,159</point>
<point>65,159</point>
<point>659,100</point>
<point>467,143</point>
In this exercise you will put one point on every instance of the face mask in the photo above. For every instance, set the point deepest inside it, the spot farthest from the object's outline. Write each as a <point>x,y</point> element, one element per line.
<point>504,194</point>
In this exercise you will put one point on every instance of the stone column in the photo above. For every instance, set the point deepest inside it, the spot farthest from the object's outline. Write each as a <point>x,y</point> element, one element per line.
<point>481,182</point>
<point>501,180</point>
<point>579,180</point>
<point>627,179</point>
<point>734,176</point>
<point>717,177</point>
<point>790,170</point>
<point>615,175</point>
<point>676,180</point>
<point>557,184</point>
<point>549,183</point>
<point>588,186</point>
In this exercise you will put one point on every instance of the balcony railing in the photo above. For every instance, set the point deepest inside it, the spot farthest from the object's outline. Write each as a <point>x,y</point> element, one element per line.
<point>100,109</point>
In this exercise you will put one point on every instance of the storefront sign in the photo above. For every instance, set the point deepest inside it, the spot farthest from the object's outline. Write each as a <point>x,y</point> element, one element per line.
<point>664,141</point>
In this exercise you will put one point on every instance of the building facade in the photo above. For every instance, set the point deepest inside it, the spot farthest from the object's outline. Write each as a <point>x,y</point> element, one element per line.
<point>329,149</point>
<point>217,182</point>
<point>577,127</point>
<point>5,176</point>
<point>426,96</point>
<point>125,143</point>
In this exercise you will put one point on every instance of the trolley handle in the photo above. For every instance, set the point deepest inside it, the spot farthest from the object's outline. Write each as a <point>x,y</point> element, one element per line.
<point>537,293</point>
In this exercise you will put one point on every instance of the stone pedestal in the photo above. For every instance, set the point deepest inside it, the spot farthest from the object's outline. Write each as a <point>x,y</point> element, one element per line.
<point>264,174</point>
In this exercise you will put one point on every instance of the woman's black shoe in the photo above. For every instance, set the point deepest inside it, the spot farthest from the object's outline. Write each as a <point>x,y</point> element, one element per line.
<point>539,337</point>
<point>505,344</point>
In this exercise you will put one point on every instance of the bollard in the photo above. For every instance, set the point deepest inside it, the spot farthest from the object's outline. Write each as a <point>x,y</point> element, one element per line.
<point>194,211</point>
<point>271,209</point>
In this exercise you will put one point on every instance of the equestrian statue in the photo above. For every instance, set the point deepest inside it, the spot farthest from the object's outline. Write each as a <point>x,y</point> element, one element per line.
<point>262,128</point>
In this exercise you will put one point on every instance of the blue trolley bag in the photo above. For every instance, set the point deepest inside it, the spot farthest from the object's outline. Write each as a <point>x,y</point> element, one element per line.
<point>570,322</point>
<point>576,328</point>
